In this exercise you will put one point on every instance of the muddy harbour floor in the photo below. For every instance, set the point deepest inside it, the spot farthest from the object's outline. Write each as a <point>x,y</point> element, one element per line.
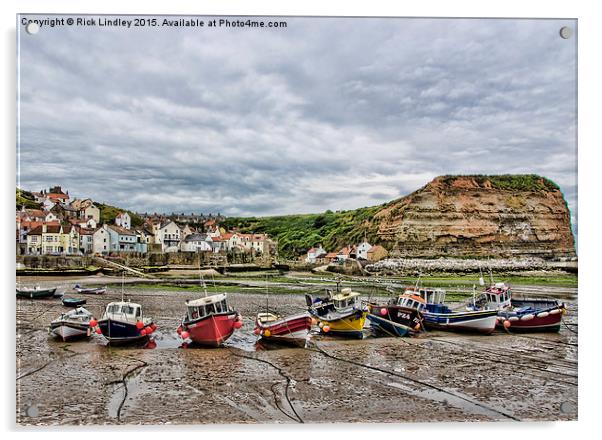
<point>437,376</point>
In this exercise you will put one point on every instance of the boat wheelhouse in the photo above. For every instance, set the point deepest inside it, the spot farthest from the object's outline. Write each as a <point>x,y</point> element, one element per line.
<point>209,320</point>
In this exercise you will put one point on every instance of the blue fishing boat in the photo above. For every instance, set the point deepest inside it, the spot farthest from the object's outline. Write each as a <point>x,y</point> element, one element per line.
<point>438,315</point>
<point>124,323</point>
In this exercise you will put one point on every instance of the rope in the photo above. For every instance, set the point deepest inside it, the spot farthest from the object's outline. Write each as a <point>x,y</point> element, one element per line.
<point>567,326</point>
<point>425,384</point>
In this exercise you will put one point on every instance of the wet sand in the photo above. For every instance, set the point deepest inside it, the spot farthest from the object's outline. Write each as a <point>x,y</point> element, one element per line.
<point>438,376</point>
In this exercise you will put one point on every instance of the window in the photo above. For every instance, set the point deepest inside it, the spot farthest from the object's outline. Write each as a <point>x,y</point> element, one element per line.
<point>210,309</point>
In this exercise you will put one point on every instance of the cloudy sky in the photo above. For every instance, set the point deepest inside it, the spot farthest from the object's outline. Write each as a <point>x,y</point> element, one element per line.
<point>327,113</point>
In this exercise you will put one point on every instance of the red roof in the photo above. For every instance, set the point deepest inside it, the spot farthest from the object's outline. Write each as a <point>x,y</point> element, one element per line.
<point>58,196</point>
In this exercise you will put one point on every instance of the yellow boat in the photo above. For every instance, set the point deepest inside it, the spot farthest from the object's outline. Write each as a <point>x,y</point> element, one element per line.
<point>340,313</point>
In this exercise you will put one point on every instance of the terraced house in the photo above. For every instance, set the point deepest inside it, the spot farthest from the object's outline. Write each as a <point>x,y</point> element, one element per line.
<point>52,239</point>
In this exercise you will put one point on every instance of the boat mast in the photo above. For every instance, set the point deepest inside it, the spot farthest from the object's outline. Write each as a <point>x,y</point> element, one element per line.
<point>122,283</point>
<point>267,295</point>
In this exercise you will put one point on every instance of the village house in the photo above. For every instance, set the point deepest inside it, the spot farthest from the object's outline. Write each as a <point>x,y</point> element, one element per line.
<point>346,253</point>
<point>220,243</point>
<point>362,250</point>
<point>101,241</point>
<point>63,211</point>
<point>86,240</point>
<point>56,195</point>
<point>86,209</point>
<point>123,220</point>
<point>52,239</point>
<point>377,253</point>
<point>168,236</point>
<point>197,242</point>
<point>314,254</point>
<point>112,238</point>
<point>124,240</point>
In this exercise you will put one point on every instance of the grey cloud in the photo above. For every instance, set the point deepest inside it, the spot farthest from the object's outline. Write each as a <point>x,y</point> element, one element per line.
<point>330,113</point>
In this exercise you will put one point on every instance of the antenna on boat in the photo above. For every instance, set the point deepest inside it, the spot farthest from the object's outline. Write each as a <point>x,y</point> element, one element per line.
<point>202,280</point>
<point>267,295</point>
<point>122,283</point>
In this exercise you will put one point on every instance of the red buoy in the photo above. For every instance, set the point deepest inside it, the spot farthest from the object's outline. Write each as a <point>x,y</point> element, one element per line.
<point>139,325</point>
<point>93,322</point>
<point>237,324</point>
<point>98,331</point>
<point>383,311</point>
<point>185,335</point>
<point>143,332</point>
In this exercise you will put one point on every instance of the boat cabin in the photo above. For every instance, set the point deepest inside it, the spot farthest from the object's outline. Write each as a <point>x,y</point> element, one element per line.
<point>210,305</point>
<point>124,311</point>
<point>411,301</point>
<point>498,296</point>
<point>429,296</point>
<point>345,299</point>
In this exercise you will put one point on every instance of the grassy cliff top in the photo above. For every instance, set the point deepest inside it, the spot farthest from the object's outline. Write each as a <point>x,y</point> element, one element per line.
<point>512,182</point>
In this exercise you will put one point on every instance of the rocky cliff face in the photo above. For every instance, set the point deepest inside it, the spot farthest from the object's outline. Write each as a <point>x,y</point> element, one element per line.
<point>497,216</point>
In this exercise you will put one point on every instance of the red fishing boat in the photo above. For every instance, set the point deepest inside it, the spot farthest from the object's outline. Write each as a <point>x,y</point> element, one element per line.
<point>209,321</point>
<point>520,315</point>
<point>293,329</point>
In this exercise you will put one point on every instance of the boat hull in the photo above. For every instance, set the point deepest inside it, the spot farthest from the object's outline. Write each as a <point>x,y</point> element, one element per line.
<point>212,330</point>
<point>68,330</point>
<point>36,294</point>
<point>474,322</point>
<point>351,325</point>
<point>91,291</point>
<point>122,333</point>
<point>293,329</point>
<point>73,302</point>
<point>387,326</point>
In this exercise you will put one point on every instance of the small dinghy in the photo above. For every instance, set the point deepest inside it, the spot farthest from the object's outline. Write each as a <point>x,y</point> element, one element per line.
<point>35,292</point>
<point>90,290</point>
<point>73,302</point>
<point>273,327</point>
<point>73,324</point>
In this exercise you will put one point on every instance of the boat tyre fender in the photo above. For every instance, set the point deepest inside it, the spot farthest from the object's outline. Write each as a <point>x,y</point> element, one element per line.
<point>513,318</point>
<point>527,317</point>
<point>542,314</point>
<point>555,311</point>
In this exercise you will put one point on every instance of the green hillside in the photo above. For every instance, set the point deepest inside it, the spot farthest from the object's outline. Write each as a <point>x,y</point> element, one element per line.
<point>108,214</point>
<point>298,233</point>
<point>25,198</point>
